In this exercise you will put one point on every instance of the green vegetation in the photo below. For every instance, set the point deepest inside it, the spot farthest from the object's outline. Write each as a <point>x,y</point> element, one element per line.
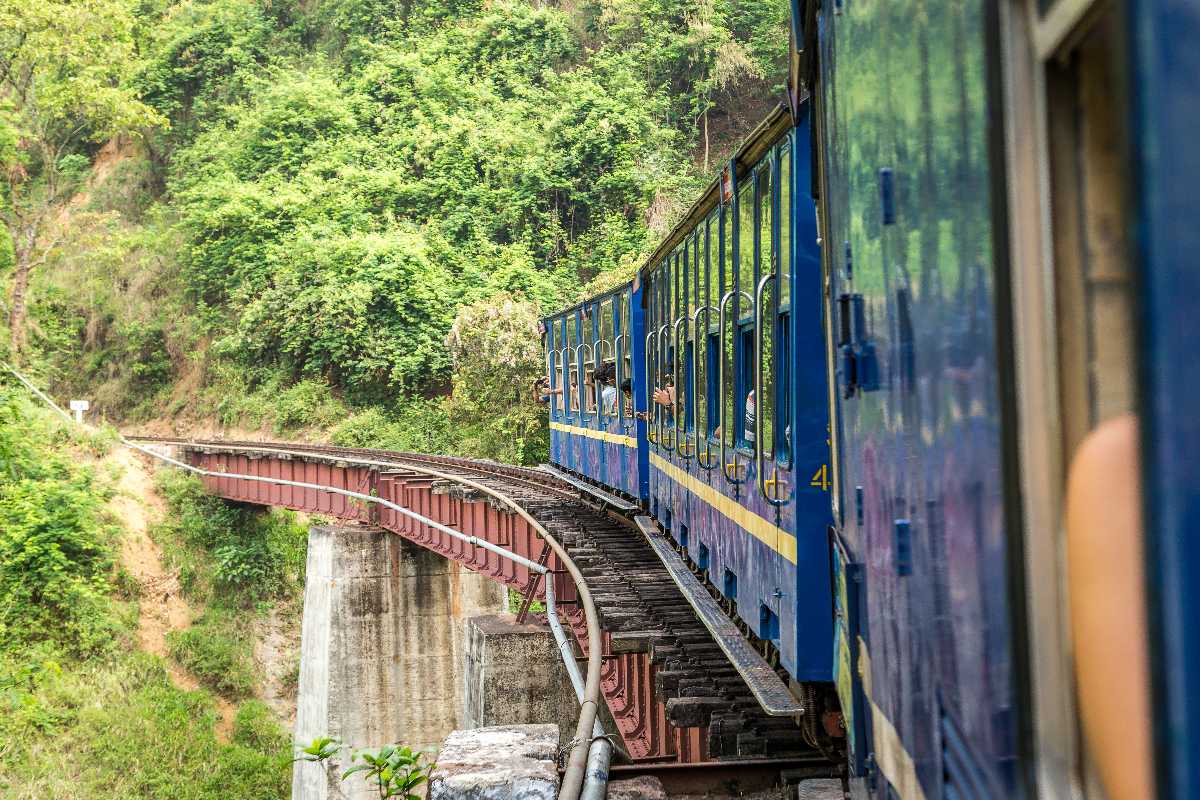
<point>228,555</point>
<point>117,729</point>
<point>217,650</point>
<point>83,715</point>
<point>234,562</point>
<point>299,207</point>
<point>56,547</point>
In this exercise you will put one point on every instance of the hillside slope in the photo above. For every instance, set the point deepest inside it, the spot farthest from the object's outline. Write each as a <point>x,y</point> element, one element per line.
<point>282,236</point>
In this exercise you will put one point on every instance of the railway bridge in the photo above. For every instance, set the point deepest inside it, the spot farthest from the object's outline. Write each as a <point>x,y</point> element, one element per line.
<point>686,696</point>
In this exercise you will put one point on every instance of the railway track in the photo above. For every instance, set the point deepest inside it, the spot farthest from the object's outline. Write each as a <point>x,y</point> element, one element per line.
<point>642,610</point>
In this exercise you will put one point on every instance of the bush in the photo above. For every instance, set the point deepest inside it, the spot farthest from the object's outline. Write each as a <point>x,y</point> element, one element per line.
<point>55,548</point>
<point>496,345</point>
<point>419,425</point>
<point>254,553</point>
<point>217,653</point>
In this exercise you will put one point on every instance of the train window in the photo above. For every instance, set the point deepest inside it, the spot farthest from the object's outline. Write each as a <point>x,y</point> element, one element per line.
<point>572,363</point>
<point>743,303</point>
<point>679,335</point>
<point>767,258</point>
<point>785,228</point>
<point>626,352</point>
<point>728,404</point>
<point>712,259</point>
<point>604,346</point>
<point>668,377</point>
<point>651,347</point>
<point>745,266</point>
<point>744,423</point>
<point>588,353</point>
<point>712,355</point>
<point>783,398</point>
<point>700,337</point>
<point>551,363</point>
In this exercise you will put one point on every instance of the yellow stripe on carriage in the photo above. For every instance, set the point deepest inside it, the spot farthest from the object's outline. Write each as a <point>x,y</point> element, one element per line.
<point>893,760</point>
<point>765,531</point>
<point>604,436</point>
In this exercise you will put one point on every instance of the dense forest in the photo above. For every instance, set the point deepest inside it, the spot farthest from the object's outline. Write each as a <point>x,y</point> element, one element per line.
<point>343,216</point>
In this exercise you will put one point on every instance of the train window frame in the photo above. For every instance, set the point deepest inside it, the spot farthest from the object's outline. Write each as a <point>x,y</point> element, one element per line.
<point>702,380</point>
<point>766,255</point>
<point>571,373</point>
<point>652,300</point>
<point>1048,126</point>
<point>551,361</point>
<point>784,190</point>
<point>587,320</point>
<point>728,345</point>
<point>743,327</point>
<point>627,367</point>
<point>607,325</point>
<point>712,320</point>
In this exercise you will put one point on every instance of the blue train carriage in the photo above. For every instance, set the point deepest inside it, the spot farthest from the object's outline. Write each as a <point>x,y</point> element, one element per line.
<point>738,452</point>
<point>592,350</point>
<point>974,348</point>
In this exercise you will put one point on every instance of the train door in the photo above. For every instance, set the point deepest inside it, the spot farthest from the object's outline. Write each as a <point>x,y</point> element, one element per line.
<point>910,260</point>
<point>635,347</point>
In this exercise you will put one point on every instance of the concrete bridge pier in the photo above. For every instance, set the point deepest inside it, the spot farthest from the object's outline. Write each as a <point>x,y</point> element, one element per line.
<point>381,648</point>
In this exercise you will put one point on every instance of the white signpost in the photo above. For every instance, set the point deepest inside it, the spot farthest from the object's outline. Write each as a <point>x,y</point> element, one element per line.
<point>80,406</point>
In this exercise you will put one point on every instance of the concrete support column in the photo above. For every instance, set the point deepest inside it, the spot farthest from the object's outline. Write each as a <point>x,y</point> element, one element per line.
<point>381,648</point>
<point>514,676</point>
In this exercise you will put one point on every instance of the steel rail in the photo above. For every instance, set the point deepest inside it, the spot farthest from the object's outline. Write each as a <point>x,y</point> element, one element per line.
<point>587,732</point>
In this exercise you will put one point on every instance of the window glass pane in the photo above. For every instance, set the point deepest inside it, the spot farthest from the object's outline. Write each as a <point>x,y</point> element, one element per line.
<point>745,265</point>
<point>727,283</point>
<point>765,405</point>
<point>765,251</point>
<point>627,342</point>
<point>652,339</point>
<point>699,380</point>
<point>785,229</point>
<point>685,279</point>
<point>572,362</point>
<point>783,422</point>
<point>711,259</point>
<point>606,326</point>
<point>589,357</point>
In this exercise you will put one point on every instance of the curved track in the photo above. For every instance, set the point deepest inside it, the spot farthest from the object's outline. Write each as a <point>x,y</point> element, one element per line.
<point>671,694</point>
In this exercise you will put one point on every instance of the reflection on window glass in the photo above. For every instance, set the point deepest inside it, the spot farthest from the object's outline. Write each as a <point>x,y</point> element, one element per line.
<point>572,370</point>
<point>785,227</point>
<point>712,258</point>
<point>727,284</point>
<point>765,252</point>
<point>745,248</point>
<point>766,403</point>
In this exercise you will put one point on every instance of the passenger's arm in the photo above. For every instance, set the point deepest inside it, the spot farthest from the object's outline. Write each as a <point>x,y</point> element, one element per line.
<point>1108,607</point>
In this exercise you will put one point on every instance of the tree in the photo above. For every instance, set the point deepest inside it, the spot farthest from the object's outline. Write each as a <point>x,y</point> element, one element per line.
<point>497,349</point>
<point>61,69</point>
